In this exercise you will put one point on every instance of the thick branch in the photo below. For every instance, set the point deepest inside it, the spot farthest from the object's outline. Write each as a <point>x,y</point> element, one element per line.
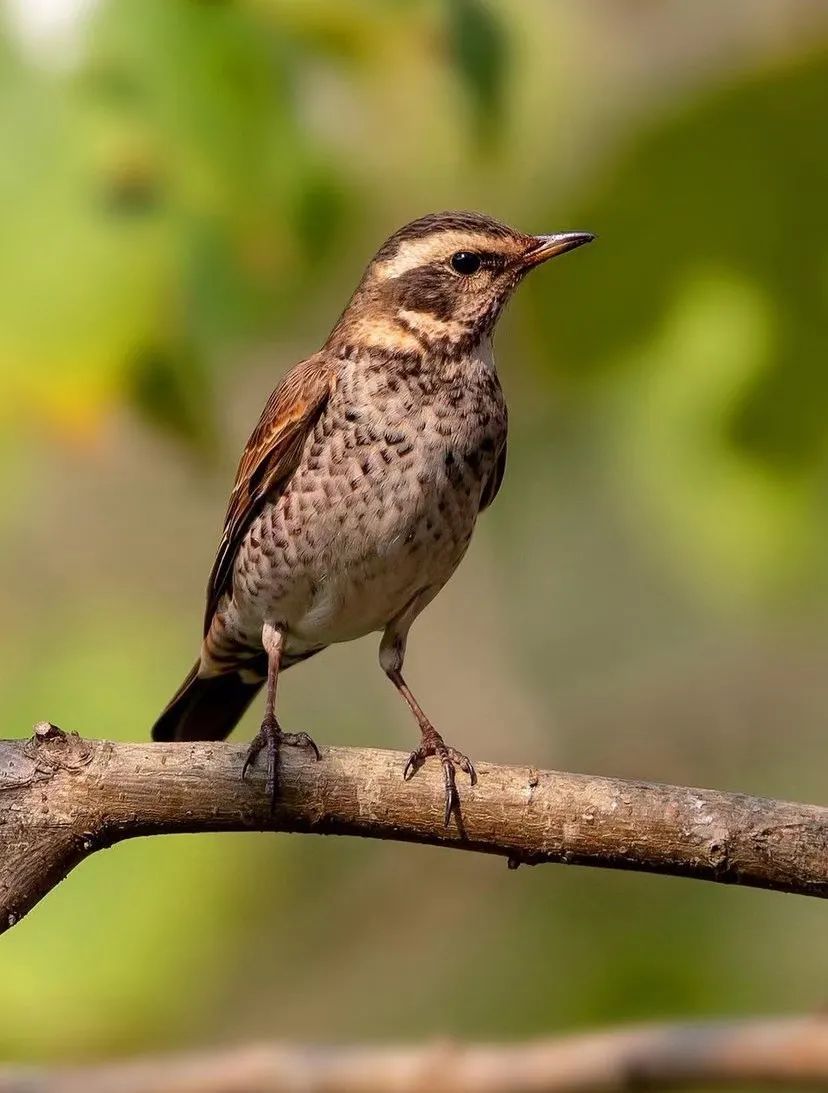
<point>62,797</point>
<point>787,1052</point>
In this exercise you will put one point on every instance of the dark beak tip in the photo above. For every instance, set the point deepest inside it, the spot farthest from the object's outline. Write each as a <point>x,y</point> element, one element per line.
<point>550,246</point>
<point>569,240</point>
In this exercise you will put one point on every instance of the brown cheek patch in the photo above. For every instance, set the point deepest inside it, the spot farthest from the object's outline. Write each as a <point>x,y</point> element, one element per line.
<point>429,289</point>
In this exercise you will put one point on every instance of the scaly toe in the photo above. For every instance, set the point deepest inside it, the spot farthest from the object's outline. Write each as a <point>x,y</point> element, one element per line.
<point>464,763</point>
<point>300,740</point>
<point>415,761</point>
<point>452,798</point>
<point>255,747</point>
<point>266,739</point>
<point>450,759</point>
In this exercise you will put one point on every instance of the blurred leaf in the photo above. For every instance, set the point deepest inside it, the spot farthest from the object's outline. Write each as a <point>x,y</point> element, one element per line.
<point>145,209</point>
<point>349,33</point>
<point>477,47</point>
<point>318,211</point>
<point>713,501</point>
<point>701,196</point>
<point>170,391</point>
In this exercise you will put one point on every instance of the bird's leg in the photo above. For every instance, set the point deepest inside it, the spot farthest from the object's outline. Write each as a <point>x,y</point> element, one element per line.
<point>392,652</point>
<point>270,737</point>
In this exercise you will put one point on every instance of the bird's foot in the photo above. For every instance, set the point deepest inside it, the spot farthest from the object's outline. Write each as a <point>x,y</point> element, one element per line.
<point>269,739</point>
<point>433,744</point>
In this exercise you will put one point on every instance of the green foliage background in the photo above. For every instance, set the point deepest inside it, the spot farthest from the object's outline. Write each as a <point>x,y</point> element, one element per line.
<point>189,192</point>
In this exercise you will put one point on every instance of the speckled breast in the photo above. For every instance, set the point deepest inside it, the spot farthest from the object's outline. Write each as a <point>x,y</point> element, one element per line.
<point>383,503</point>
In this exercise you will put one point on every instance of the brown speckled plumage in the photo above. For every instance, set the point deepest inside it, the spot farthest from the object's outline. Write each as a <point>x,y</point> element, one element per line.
<point>359,489</point>
<point>381,506</point>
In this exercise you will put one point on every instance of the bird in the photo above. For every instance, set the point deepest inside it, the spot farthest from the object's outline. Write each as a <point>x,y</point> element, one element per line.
<point>358,491</point>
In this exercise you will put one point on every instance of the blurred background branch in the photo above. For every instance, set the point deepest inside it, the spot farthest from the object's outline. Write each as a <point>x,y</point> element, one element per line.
<point>63,797</point>
<point>787,1052</point>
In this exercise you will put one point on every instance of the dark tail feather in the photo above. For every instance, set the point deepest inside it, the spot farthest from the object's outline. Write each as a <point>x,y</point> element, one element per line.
<point>205,709</point>
<point>209,709</point>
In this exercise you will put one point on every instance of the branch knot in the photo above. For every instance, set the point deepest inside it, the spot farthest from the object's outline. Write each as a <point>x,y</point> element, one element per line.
<point>52,749</point>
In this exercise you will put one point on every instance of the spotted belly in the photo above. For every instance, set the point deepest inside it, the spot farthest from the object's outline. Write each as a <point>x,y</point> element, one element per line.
<point>355,575</point>
<point>379,511</point>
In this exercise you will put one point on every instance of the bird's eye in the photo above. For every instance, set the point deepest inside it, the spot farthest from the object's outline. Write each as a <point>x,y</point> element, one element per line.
<point>465,262</point>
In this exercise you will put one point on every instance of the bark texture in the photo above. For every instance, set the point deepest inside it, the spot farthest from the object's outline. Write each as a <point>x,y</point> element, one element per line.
<point>63,797</point>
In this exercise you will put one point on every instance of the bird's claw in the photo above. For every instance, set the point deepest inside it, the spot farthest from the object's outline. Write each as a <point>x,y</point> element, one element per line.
<point>300,740</point>
<point>270,738</point>
<point>433,744</point>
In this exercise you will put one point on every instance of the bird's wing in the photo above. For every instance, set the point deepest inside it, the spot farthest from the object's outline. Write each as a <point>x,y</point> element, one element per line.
<point>269,460</point>
<point>495,481</point>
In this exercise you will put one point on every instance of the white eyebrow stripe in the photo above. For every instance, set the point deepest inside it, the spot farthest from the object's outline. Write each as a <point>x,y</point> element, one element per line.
<point>432,248</point>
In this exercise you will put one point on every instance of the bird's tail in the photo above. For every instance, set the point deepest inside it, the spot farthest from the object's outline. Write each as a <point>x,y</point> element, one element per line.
<point>205,709</point>
<point>211,707</point>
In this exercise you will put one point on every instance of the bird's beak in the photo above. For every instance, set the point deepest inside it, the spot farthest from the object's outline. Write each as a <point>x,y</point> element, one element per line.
<point>544,247</point>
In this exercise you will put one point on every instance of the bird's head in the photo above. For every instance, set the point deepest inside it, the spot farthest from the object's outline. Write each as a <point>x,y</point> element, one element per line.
<point>441,281</point>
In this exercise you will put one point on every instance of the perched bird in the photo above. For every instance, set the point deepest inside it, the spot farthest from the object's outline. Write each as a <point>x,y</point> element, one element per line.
<point>359,489</point>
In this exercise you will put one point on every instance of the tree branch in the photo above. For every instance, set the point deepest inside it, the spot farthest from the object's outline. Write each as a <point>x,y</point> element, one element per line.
<point>783,1051</point>
<point>62,797</point>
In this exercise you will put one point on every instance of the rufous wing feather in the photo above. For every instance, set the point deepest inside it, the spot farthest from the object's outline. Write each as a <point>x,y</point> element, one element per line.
<point>269,460</point>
